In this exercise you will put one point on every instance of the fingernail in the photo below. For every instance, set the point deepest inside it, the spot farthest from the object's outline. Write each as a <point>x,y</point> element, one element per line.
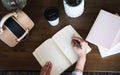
<point>51,65</point>
<point>50,62</point>
<point>47,63</point>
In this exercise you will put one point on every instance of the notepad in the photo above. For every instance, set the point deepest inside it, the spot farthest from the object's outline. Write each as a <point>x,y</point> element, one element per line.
<point>58,50</point>
<point>105,33</point>
<point>105,52</point>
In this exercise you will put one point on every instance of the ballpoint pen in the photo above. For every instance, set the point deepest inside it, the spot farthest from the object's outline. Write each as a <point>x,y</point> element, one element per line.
<point>77,43</point>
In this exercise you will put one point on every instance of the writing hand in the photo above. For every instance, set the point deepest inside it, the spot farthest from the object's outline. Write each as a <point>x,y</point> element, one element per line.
<point>80,50</point>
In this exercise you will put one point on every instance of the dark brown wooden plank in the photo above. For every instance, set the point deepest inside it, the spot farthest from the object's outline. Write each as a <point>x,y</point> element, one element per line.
<point>21,58</point>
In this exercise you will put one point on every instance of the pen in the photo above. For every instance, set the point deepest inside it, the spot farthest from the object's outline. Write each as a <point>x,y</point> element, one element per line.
<point>77,43</point>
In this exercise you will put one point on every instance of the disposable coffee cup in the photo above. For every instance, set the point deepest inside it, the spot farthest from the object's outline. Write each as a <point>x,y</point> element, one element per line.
<point>52,15</point>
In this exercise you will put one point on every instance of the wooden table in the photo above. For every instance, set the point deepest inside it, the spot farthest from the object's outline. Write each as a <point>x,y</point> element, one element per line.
<point>21,58</point>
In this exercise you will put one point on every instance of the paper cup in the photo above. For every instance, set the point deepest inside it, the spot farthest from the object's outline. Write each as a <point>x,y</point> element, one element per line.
<point>51,14</point>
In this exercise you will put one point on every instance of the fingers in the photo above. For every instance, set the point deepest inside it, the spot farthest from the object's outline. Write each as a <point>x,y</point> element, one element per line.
<point>80,40</point>
<point>43,70</point>
<point>80,50</point>
<point>49,69</point>
<point>72,42</point>
<point>46,69</point>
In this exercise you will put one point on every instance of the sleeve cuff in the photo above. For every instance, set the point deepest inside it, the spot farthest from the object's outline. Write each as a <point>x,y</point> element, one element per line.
<point>77,73</point>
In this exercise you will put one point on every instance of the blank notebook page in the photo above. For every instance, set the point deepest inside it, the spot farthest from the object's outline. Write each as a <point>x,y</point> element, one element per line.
<point>49,52</point>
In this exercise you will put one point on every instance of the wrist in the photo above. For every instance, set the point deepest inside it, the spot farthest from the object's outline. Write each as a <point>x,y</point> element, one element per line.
<point>82,56</point>
<point>78,70</point>
<point>81,59</point>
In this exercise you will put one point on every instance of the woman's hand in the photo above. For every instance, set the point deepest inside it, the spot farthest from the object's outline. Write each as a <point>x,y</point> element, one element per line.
<point>81,51</point>
<point>46,69</point>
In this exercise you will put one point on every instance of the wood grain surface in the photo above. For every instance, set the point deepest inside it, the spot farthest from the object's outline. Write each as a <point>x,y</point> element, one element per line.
<point>21,58</point>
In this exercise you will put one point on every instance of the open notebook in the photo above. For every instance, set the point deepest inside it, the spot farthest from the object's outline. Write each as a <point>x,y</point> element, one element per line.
<point>105,33</point>
<point>58,50</point>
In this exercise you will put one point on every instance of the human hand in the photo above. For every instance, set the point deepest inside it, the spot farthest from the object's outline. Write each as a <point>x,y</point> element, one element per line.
<point>79,51</point>
<point>46,69</point>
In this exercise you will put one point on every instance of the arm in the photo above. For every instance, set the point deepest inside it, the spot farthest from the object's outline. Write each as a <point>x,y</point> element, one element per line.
<point>80,64</point>
<point>81,52</point>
